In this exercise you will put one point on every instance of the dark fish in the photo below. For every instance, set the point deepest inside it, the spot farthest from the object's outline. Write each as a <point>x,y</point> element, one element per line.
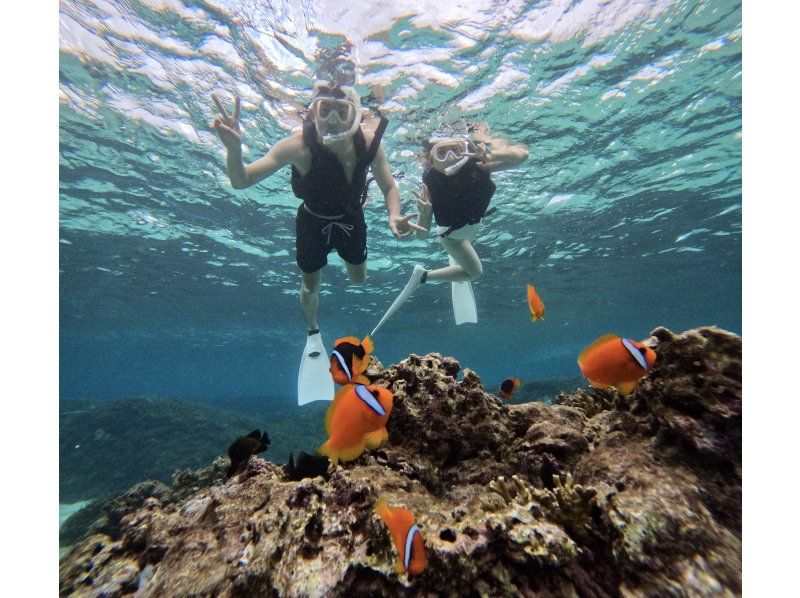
<point>244,447</point>
<point>307,466</point>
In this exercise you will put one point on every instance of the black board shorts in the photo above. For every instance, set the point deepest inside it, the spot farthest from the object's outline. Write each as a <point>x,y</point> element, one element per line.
<point>317,237</point>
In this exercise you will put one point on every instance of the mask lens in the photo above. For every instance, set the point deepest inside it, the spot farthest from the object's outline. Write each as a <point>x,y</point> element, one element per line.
<point>457,148</point>
<point>327,108</point>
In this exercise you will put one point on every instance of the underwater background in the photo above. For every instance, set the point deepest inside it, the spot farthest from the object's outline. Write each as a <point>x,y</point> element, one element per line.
<point>626,216</point>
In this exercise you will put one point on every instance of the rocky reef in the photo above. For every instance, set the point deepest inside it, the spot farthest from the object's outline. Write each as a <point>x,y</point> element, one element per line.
<point>596,495</point>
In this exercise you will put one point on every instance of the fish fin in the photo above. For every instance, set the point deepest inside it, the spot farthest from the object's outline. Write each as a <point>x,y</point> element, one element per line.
<point>368,345</point>
<point>265,439</point>
<point>351,453</point>
<point>599,385</point>
<point>603,339</point>
<point>626,388</point>
<point>362,379</point>
<point>399,569</point>
<point>346,339</point>
<point>375,439</point>
<point>382,509</point>
<point>517,382</point>
<point>255,434</point>
<point>330,452</point>
<point>534,317</point>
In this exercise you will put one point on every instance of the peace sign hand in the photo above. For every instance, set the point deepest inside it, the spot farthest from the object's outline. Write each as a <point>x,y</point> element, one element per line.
<point>482,153</point>
<point>423,200</point>
<point>227,126</point>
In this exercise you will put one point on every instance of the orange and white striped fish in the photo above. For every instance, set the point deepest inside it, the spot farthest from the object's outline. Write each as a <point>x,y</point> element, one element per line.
<point>356,420</point>
<point>615,361</point>
<point>349,360</point>
<point>406,536</point>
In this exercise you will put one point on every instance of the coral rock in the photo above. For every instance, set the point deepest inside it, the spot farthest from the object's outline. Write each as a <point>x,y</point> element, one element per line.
<point>601,495</point>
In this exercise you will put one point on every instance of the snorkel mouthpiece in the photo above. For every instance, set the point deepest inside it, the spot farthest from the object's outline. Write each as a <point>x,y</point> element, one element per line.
<point>329,138</point>
<point>454,168</point>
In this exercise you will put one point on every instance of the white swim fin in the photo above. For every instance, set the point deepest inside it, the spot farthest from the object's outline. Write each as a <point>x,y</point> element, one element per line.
<point>464,308</point>
<point>314,382</point>
<point>411,286</point>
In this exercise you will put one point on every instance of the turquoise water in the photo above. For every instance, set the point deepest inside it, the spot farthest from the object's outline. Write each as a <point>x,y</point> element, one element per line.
<point>626,216</point>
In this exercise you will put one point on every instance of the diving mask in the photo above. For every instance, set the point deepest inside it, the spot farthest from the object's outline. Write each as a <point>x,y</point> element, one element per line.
<point>336,111</point>
<point>451,154</point>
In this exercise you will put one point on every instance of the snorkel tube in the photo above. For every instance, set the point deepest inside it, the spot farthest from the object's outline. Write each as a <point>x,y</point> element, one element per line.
<point>455,167</point>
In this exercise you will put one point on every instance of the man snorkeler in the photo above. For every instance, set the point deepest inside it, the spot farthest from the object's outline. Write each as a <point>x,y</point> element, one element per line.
<point>330,158</point>
<point>456,191</point>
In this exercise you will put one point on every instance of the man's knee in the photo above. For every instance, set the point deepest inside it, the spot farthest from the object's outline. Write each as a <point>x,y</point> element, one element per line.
<point>357,277</point>
<point>475,272</point>
<point>308,290</point>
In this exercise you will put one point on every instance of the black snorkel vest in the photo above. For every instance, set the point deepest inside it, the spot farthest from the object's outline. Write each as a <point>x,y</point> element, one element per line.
<point>324,188</point>
<point>460,199</point>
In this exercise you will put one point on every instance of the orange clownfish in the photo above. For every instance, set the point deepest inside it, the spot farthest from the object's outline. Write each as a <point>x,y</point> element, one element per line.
<point>349,360</point>
<point>406,537</point>
<point>615,361</point>
<point>356,420</point>
<point>508,387</point>
<point>535,304</point>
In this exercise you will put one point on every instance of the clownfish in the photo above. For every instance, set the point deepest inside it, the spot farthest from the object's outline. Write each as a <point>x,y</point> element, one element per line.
<point>406,537</point>
<point>349,360</point>
<point>615,361</point>
<point>356,419</point>
<point>508,387</point>
<point>535,304</point>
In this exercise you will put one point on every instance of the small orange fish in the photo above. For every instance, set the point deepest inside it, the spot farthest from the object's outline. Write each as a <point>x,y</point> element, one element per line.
<point>535,304</point>
<point>356,420</point>
<point>349,360</point>
<point>509,386</point>
<point>615,361</point>
<point>406,537</point>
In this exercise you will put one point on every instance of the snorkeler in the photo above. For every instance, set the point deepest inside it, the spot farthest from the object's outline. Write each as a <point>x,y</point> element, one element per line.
<point>330,158</point>
<point>456,191</point>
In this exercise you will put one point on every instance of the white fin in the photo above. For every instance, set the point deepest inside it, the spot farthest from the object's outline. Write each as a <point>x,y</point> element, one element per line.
<point>411,286</point>
<point>314,381</point>
<point>464,308</point>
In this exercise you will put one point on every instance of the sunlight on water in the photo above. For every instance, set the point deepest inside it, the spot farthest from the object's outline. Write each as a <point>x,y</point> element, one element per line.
<point>626,216</point>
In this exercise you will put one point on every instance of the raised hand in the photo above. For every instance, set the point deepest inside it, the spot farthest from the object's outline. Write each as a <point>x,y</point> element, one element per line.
<point>227,125</point>
<point>482,152</point>
<point>401,226</point>
<point>423,200</point>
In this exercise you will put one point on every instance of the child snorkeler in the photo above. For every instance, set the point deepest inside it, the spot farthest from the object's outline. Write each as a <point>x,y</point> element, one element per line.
<point>456,191</point>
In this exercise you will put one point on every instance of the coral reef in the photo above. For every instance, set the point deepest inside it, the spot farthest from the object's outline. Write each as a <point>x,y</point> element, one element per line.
<point>599,495</point>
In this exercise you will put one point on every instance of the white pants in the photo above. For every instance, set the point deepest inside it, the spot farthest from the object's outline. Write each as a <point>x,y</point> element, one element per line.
<point>468,231</point>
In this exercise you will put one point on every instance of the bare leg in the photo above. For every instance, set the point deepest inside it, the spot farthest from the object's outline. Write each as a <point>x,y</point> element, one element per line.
<point>309,297</point>
<point>469,264</point>
<point>357,273</point>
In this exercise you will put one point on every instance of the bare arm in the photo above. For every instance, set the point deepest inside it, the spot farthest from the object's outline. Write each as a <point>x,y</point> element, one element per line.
<point>498,154</point>
<point>399,225</point>
<point>241,176</point>
<point>244,175</point>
